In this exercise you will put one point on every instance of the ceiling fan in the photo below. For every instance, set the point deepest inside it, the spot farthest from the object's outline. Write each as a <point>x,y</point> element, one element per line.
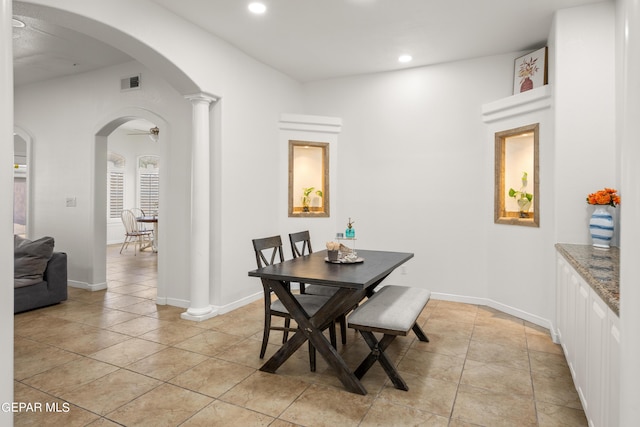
<point>153,133</point>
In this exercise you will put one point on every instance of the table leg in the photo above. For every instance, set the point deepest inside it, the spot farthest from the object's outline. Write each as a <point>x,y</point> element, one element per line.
<point>311,329</point>
<point>155,237</point>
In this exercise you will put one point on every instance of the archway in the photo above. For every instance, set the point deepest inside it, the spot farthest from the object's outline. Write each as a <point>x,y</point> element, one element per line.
<point>103,23</point>
<point>180,69</point>
<point>22,173</point>
<point>100,191</point>
<point>112,30</point>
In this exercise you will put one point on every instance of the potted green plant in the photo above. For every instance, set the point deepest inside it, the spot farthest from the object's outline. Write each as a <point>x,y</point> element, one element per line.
<point>306,197</point>
<point>522,197</point>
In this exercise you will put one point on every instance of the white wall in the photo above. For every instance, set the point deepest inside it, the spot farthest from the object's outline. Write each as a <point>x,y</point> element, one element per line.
<point>520,267</point>
<point>583,55</point>
<point>423,179</point>
<point>6,212</point>
<point>416,168</point>
<point>628,33</point>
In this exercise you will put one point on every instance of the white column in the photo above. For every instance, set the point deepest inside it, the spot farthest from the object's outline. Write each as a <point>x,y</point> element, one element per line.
<point>6,209</point>
<point>629,105</point>
<point>200,307</point>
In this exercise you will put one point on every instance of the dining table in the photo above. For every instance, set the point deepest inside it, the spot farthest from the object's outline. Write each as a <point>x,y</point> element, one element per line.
<point>354,281</point>
<point>151,220</point>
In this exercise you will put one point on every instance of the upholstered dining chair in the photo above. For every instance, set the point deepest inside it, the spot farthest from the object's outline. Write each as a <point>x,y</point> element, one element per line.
<point>301,246</point>
<point>268,251</point>
<point>133,234</point>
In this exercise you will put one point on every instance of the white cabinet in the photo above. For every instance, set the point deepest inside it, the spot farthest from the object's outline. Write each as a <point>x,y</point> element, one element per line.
<point>588,331</point>
<point>612,410</point>
<point>597,369</point>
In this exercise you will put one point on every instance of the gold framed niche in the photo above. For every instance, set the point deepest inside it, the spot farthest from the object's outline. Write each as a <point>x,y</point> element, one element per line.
<point>308,179</point>
<point>517,177</point>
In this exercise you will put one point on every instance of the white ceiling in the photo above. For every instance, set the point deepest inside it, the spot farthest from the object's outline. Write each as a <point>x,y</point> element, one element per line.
<point>43,50</point>
<point>317,39</point>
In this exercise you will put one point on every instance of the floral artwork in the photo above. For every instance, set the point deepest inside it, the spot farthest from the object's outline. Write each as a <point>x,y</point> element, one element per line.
<point>608,196</point>
<point>528,68</point>
<point>530,71</point>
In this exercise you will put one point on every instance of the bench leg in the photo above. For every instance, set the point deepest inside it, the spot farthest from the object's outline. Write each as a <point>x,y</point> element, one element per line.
<point>378,354</point>
<point>419,333</point>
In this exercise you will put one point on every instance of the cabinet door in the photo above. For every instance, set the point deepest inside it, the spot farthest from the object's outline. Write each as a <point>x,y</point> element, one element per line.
<point>612,409</point>
<point>580,352</point>
<point>569,337</point>
<point>562,285</point>
<point>597,369</point>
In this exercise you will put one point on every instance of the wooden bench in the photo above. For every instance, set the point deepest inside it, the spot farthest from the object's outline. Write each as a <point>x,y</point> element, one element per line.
<point>393,311</point>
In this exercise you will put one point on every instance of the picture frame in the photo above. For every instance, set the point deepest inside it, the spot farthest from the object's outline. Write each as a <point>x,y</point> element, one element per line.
<point>530,71</point>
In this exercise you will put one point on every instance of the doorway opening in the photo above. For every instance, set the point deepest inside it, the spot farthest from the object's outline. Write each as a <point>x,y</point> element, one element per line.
<point>128,174</point>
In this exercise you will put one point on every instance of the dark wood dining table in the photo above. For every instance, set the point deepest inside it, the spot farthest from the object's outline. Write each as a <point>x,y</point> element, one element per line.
<point>354,282</point>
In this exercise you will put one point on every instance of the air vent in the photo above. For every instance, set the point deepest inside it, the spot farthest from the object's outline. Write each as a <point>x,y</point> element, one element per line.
<point>130,83</point>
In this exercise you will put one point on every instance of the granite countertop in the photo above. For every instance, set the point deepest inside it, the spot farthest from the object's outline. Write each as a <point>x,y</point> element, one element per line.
<point>600,268</point>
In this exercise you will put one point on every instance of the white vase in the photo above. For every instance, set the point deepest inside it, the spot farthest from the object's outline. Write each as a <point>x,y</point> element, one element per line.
<point>601,227</point>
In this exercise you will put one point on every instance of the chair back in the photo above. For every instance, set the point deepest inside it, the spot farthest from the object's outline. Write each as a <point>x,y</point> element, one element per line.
<point>268,250</point>
<point>300,243</point>
<point>137,212</point>
<point>129,221</point>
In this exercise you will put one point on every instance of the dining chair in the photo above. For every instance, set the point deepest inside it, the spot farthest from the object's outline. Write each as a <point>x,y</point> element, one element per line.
<point>301,246</point>
<point>269,251</point>
<point>139,213</point>
<point>133,234</point>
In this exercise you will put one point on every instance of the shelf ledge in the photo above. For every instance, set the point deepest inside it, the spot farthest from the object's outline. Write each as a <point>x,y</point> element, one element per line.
<point>522,103</point>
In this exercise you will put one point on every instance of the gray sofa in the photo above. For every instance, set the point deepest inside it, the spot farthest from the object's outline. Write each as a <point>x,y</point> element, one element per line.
<point>40,275</point>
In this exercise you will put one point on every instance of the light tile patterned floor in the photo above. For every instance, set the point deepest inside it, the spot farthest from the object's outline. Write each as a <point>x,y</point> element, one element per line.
<point>118,359</point>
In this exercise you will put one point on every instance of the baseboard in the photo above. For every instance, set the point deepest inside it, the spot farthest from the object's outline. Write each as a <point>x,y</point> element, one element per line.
<point>217,309</point>
<point>222,309</point>
<point>87,286</point>
<point>521,314</point>
<point>172,301</point>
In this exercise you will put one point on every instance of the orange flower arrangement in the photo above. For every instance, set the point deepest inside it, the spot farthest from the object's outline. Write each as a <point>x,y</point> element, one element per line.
<point>608,196</point>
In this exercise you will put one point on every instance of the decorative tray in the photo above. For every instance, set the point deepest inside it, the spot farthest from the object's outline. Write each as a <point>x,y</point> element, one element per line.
<point>344,261</point>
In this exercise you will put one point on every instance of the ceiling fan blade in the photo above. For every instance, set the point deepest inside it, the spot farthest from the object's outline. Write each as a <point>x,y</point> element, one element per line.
<point>152,131</point>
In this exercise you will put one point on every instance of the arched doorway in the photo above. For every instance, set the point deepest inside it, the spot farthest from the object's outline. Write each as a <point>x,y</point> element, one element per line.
<point>21,181</point>
<point>100,210</point>
<point>98,23</point>
<point>179,71</point>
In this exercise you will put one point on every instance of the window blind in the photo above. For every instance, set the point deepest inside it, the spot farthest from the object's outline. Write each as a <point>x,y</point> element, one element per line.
<point>116,194</point>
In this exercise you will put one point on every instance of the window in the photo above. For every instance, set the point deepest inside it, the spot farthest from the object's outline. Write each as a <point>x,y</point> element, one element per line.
<point>115,185</point>
<point>148,184</point>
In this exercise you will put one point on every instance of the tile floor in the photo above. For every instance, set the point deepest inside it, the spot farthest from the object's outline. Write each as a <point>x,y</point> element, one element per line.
<point>115,358</point>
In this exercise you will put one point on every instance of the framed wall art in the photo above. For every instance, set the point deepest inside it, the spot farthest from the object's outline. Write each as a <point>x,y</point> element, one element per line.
<point>530,71</point>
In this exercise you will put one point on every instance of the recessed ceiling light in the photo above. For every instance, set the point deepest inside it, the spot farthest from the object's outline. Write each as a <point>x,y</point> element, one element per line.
<point>16,23</point>
<point>257,8</point>
<point>404,58</point>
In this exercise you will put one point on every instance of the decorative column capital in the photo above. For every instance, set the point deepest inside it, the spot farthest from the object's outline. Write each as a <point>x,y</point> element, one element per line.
<point>201,97</point>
